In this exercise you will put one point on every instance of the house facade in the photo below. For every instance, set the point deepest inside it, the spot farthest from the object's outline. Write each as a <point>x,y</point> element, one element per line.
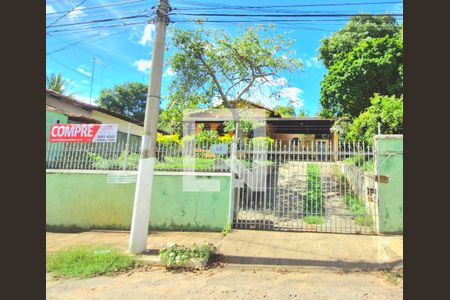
<point>61,109</point>
<point>303,132</point>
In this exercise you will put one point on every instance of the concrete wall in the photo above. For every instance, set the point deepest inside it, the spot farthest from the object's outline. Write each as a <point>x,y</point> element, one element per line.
<point>84,199</point>
<point>389,162</point>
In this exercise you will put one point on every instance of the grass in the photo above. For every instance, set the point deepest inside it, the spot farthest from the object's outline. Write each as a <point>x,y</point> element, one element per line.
<point>88,262</point>
<point>313,219</point>
<point>358,210</point>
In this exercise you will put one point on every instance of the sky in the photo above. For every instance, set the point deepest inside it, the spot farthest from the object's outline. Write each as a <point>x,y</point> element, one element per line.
<point>106,53</point>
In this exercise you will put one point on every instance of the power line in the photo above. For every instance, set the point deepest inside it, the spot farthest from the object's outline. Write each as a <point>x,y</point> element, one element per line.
<point>102,20</point>
<point>280,15</point>
<point>94,7</point>
<point>297,5</point>
<point>97,27</point>
<point>68,12</point>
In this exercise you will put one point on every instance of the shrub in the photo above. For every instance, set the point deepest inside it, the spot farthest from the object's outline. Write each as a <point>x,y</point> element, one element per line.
<point>226,138</point>
<point>313,204</point>
<point>310,219</point>
<point>114,164</point>
<point>173,255</point>
<point>88,262</point>
<point>169,139</point>
<point>264,142</point>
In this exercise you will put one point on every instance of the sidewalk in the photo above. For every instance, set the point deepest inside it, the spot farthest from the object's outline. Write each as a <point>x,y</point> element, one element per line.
<point>262,249</point>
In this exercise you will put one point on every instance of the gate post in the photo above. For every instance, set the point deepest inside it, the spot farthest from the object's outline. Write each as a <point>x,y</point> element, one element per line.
<point>389,178</point>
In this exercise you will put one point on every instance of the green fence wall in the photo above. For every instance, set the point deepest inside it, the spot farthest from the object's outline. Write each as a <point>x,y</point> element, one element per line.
<point>84,199</point>
<point>390,164</point>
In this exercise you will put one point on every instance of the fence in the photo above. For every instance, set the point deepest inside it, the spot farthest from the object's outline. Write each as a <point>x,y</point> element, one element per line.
<point>189,156</point>
<point>324,187</point>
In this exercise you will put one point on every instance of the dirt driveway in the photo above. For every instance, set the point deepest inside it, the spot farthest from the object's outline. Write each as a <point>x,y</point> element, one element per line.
<point>227,283</point>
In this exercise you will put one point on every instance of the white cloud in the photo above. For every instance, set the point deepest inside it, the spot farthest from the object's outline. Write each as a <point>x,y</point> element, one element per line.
<point>313,62</point>
<point>77,12</point>
<point>84,81</point>
<point>49,9</point>
<point>293,95</point>
<point>147,36</point>
<point>83,71</point>
<point>143,65</point>
<point>169,72</point>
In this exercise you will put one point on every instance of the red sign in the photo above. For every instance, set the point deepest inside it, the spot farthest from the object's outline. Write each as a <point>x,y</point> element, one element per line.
<point>88,133</point>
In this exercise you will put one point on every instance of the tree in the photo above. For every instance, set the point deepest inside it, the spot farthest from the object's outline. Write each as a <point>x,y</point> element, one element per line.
<point>128,98</point>
<point>373,66</point>
<point>358,28</point>
<point>386,110</point>
<point>284,111</point>
<point>57,83</point>
<point>212,66</point>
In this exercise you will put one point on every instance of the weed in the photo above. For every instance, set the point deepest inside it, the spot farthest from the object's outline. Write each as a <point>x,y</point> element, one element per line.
<point>313,219</point>
<point>313,203</point>
<point>88,262</point>
<point>226,229</point>
<point>173,255</point>
<point>393,277</point>
<point>358,210</point>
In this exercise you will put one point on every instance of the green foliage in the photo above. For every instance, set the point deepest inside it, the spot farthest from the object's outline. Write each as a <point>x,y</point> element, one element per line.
<point>57,83</point>
<point>114,164</point>
<point>227,229</point>
<point>284,111</point>
<point>358,209</point>
<point>246,126</point>
<point>360,161</point>
<point>313,204</point>
<point>88,262</point>
<point>263,142</point>
<point>311,219</point>
<point>190,163</point>
<point>359,28</point>
<point>174,255</point>
<point>372,66</point>
<point>388,111</point>
<point>128,98</point>
<point>213,65</point>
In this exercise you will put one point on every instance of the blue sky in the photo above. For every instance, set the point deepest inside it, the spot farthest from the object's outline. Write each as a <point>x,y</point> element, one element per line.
<point>123,53</point>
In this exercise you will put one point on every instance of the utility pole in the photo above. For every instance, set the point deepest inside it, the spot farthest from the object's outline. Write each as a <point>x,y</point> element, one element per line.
<point>144,180</point>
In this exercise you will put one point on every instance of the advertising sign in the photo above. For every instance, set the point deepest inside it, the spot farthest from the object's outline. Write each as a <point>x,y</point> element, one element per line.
<point>87,133</point>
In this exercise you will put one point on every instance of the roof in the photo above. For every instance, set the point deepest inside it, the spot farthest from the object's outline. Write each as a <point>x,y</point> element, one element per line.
<point>87,106</point>
<point>253,104</point>
<point>72,116</point>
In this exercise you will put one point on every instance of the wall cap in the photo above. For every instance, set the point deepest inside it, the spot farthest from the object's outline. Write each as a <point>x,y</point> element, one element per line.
<point>106,172</point>
<point>389,136</point>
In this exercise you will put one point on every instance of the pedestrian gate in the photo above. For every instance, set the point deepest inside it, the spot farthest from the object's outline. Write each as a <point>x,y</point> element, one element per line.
<point>321,187</point>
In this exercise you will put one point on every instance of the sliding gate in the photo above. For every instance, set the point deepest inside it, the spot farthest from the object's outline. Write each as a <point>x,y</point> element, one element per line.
<point>320,188</point>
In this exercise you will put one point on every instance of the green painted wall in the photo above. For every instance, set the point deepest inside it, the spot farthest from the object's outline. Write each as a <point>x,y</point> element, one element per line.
<point>50,118</point>
<point>86,200</point>
<point>390,164</point>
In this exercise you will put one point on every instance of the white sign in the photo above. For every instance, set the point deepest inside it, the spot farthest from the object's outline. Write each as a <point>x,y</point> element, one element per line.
<point>87,133</point>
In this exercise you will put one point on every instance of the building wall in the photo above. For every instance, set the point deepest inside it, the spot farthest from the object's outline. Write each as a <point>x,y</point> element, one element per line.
<point>50,118</point>
<point>389,163</point>
<point>67,107</point>
<point>84,199</point>
<point>123,125</point>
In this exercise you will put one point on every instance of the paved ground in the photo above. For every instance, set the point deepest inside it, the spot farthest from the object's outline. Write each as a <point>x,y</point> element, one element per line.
<point>258,265</point>
<point>263,249</point>
<point>228,284</point>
